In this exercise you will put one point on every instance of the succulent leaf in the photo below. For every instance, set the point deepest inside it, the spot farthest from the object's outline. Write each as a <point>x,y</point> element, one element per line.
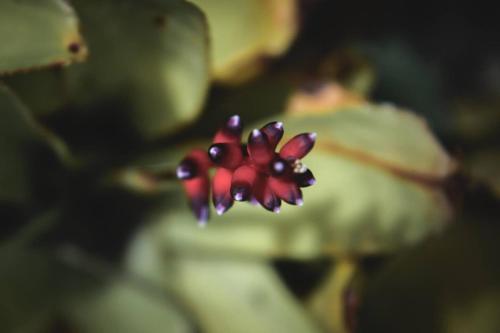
<point>21,140</point>
<point>38,33</point>
<point>246,31</point>
<point>380,192</point>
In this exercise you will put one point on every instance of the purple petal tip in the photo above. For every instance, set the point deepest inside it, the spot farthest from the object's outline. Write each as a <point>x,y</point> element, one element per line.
<point>203,217</point>
<point>256,133</point>
<point>253,201</point>
<point>234,121</point>
<point>181,173</point>
<point>220,209</point>
<point>238,196</point>
<point>214,151</point>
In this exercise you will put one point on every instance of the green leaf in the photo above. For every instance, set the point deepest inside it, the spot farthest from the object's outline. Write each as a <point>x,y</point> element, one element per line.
<point>244,31</point>
<point>32,285</point>
<point>393,139</point>
<point>122,307</point>
<point>21,140</point>
<point>38,33</point>
<point>43,91</point>
<point>148,59</point>
<point>448,284</point>
<point>483,165</point>
<point>220,289</point>
<point>379,172</point>
<point>40,287</point>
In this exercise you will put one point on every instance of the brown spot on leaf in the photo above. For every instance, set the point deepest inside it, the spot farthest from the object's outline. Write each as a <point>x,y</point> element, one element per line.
<point>160,21</point>
<point>74,47</point>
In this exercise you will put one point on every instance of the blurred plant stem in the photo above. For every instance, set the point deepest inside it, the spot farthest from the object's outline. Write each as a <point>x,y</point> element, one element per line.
<point>32,230</point>
<point>328,302</point>
<point>144,180</point>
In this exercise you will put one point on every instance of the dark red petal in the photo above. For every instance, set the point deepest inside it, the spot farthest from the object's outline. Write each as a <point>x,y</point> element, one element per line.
<point>226,155</point>
<point>230,132</point>
<point>286,190</point>
<point>304,179</point>
<point>274,133</point>
<point>193,165</point>
<point>243,182</point>
<point>298,146</point>
<point>221,186</point>
<point>197,190</point>
<point>259,149</point>
<point>265,196</point>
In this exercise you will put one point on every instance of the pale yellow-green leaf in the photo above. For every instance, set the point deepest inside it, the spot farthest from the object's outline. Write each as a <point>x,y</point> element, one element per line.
<point>152,56</point>
<point>380,192</point>
<point>148,63</point>
<point>245,31</point>
<point>224,294</point>
<point>397,140</point>
<point>36,33</point>
<point>124,307</point>
<point>483,165</point>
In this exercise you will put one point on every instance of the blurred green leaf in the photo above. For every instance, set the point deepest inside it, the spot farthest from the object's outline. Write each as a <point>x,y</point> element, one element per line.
<point>378,190</point>
<point>32,287</point>
<point>250,291</point>
<point>21,140</point>
<point>151,55</point>
<point>483,165</point>
<point>38,33</point>
<point>148,69</point>
<point>121,307</point>
<point>448,284</point>
<point>225,294</point>
<point>391,138</point>
<point>243,32</point>
<point>38,287</point>
<point>476,120</point>
<point>43,91</point>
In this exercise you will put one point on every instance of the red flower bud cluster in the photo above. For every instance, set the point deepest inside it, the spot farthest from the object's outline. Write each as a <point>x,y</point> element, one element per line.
<point>252,172</point>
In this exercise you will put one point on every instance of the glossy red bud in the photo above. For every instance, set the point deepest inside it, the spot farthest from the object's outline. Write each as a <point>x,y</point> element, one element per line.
<point>187,169</point>
<point>298,146</point>
<point>265,196</point>
<point>242,183</point>
<point>226,155</point>
<point>274,133</point>
<point>221,186</point>
<point>230,132</point>
<point>197,191</point>
<point>196,163</point>
<point>259,149</point>
<point>304,179</point>
<point>288,191</point>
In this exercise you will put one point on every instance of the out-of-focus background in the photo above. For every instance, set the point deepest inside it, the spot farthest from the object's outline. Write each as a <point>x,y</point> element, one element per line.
<point>101,99</point>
